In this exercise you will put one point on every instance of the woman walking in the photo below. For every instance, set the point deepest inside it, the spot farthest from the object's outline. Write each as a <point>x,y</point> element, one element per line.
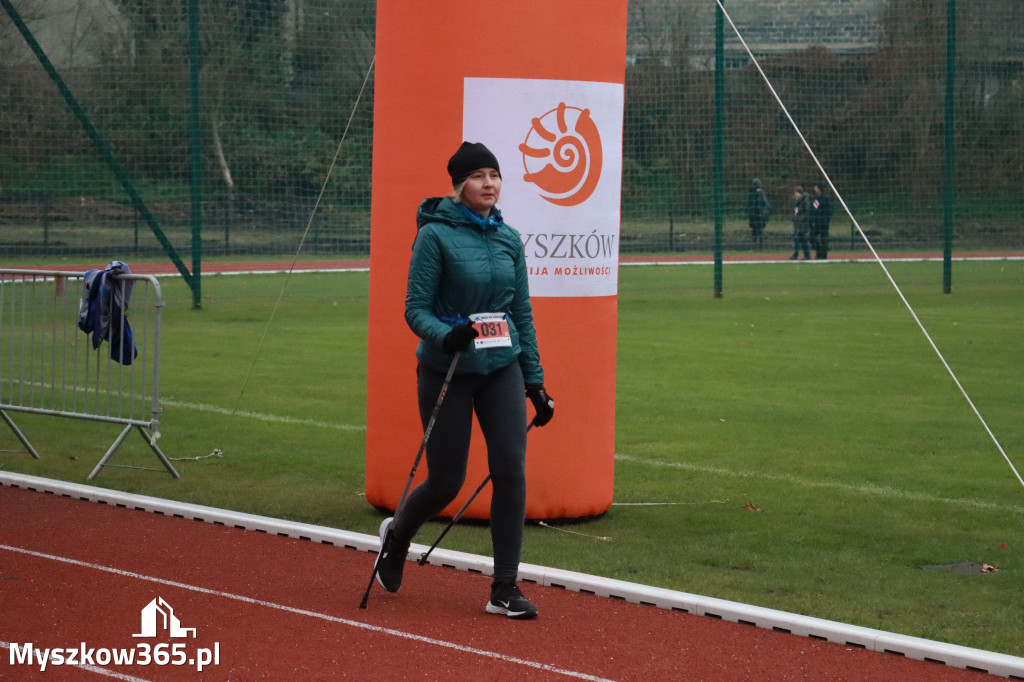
<point>468,293</point>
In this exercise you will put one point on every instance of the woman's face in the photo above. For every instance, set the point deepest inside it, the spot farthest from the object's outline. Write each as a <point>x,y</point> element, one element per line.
<point>482,190</point>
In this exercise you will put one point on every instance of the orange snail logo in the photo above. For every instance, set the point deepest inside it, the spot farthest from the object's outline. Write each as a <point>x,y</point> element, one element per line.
<point>562,155</point>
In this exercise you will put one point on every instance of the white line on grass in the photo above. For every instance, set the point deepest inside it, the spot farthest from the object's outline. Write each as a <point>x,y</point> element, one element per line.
<point>881,491</point>
<point>200,407</point>
<point>313,614</point>
<point>170,402</point>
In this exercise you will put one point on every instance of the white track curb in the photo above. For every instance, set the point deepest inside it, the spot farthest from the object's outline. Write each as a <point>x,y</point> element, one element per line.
<point>770,619</point>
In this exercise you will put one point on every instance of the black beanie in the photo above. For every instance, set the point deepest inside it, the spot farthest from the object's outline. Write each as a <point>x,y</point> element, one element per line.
<point>471,157</point>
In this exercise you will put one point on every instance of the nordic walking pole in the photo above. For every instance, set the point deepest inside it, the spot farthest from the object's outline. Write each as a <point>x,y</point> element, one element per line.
<point>458,515</point>
<point>412,473</point>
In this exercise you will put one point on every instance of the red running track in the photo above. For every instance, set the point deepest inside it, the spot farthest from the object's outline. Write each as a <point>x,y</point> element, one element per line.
<point>76,575</point>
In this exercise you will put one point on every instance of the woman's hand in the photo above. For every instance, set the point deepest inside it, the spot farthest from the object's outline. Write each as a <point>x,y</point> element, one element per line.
<point>459,338</point>
<point>542,402</point>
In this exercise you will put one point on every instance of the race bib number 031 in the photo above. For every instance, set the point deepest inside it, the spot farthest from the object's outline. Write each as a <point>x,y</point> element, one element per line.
<point>492,329</point>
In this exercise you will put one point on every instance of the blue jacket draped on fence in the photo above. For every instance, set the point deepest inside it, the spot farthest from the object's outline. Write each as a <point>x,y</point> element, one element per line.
<point>103,311</point>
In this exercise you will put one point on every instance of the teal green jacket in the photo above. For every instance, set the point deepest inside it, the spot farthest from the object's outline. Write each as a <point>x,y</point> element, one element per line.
<point>460,267</point>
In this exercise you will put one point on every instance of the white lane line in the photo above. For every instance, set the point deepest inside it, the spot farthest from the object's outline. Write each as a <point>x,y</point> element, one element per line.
<point>313,614</point>
<point>877,490</point>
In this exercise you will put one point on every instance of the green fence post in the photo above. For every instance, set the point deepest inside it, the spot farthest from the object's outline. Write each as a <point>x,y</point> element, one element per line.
<point>949,163</point>
<point>717,190</point>
<point>195,149</point>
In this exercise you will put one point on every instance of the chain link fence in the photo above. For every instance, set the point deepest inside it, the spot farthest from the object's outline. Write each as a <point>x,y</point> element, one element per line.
<point>122,148</point>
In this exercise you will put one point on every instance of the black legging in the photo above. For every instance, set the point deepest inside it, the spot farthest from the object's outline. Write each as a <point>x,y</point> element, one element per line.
<point>500,406</point>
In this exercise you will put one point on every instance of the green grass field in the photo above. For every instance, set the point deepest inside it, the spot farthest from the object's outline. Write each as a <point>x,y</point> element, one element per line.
<point>796,444</point>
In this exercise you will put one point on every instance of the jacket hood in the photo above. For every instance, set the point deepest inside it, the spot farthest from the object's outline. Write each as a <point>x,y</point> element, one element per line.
<point>439,210</point>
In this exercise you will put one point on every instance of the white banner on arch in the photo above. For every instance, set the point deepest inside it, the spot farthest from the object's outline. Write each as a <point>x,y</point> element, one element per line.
<point>559,144</point>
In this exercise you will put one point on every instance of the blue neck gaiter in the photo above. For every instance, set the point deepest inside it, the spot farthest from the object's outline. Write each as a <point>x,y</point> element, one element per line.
<point>485,223</point>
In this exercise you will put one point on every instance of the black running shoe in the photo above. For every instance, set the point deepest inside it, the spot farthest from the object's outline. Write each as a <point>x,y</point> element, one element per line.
<point>390,559</point>
<point>507,600</point>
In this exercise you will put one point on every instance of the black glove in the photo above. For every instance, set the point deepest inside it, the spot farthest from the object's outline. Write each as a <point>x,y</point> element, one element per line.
<point>459,338</point>
<point>542,402</point>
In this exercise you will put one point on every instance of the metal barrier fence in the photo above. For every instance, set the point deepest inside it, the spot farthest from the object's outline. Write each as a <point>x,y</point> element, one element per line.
<point>84,345</point>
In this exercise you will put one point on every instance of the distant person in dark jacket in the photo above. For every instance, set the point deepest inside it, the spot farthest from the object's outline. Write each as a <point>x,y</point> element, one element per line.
<point>821,218</point>
<point>465,262</point>
<point>758,212</point>
<point>801,223</point>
